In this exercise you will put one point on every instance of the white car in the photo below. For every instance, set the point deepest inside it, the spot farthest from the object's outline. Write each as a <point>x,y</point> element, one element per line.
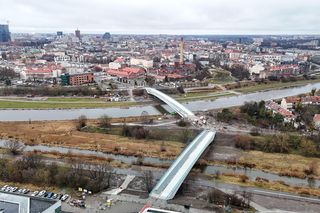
<point>65,197</point>
<point>13,189</point>
<point>43,192</point>
<point>35,193</point>
<point>4,188</point>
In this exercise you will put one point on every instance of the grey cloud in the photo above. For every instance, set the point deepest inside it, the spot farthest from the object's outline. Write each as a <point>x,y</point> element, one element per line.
<point>164,16</point>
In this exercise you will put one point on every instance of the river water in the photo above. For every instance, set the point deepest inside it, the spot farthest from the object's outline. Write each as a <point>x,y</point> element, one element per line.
<point>223,102</point>
<point>69,114</point>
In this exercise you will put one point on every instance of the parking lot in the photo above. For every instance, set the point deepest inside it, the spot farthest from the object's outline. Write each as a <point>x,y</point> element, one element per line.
<point>40,193</point>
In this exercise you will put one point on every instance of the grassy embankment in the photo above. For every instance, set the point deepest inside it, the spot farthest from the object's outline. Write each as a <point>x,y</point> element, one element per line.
<point>203,96</point>
<point>275,85</point>
<point>265,184</point>
<point>291,165</point>
<point>64,134</point>
<point>61,103</point>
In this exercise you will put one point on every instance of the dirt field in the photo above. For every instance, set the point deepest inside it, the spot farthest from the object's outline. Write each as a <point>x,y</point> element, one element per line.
<point>223,152</point>
<point>64,133</point>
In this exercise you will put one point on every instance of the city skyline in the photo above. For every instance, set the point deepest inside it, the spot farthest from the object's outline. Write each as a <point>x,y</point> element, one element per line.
<point>163,17</point>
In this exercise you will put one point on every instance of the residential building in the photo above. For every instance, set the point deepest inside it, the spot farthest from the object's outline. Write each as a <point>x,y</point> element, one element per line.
<point>283,70</point>
<point>141,62</point>
<point>79,79</point>
<point>277,109</point>
<point>127,72</point>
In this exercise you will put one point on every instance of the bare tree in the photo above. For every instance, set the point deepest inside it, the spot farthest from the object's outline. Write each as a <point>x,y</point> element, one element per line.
<point>215,196</point>
<point>14,147</point>
<point>82,122</point>
<point>105,121</point>
<point>100,176</point>
<point>247,196</point>
<point>148,180</point>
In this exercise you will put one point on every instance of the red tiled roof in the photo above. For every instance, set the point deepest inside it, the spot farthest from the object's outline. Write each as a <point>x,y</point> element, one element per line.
<point>316,118</point>
<point>126,72</point>
<point>312,99</point>
<point>30,71</point>
<point>293,99</point>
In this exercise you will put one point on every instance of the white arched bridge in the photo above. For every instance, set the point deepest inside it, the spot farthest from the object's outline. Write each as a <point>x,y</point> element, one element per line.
<point>171,181</point>
<point>175,105</point>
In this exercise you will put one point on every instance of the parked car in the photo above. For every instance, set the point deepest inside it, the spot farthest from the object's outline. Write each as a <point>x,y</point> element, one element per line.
<point>42,193</point>
<point>65,197</point>
<point>14,189</point>
<point>35,193</point>
<point>54,196</point>
<point>4,187</point>
<point>49,195</point>
<point>25,191</point>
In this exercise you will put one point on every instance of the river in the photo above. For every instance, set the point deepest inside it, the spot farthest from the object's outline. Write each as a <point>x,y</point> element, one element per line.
<point>203,105</point>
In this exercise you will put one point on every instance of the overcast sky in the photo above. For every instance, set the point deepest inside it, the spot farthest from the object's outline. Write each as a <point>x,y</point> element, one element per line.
<point>164,16</point>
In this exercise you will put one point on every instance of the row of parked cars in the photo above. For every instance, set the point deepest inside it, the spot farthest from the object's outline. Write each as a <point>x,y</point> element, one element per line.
<point>43,193</point>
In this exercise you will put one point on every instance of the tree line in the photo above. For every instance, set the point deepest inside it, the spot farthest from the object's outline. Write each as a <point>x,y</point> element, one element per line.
<point>31,168</point>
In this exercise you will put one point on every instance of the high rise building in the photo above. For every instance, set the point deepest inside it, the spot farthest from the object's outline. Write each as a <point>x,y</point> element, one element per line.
<point>4,33</point>
<point>60,33</point>
<point>77,33</point>
<point>106,36</point>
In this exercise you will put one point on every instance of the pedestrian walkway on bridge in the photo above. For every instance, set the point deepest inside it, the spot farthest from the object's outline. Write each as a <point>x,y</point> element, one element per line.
<point>171,181</point>
<point>175,105</point>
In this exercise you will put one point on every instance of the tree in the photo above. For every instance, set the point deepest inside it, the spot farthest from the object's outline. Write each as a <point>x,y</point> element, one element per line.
<point>180,89</point>
<point>31,161</point>
<point>14,147</point>
<point>277,144</point>
<point>242,142</point>
<point>313,91</point>
<point>99,176</point>
<point>225,115</point>
<point>105,121</point>
<point>82,122</point>
<point>150,80</point>
<point>148,180</point>
<point>308,148</point>
<point>216,196</point>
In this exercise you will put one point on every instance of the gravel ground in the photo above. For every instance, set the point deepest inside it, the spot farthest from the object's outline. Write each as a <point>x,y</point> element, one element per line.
<point>290,205</point>
<point>94,203</point>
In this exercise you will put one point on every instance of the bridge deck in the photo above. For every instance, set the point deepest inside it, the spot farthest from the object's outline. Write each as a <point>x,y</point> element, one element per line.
<point>175,105</point>
<point>171,181</point>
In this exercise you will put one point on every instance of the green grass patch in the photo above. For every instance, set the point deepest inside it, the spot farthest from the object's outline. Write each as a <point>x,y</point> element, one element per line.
<point>203,96</point>
<point>275,85</point>
<point>48,105</point>
<point>75,100</point>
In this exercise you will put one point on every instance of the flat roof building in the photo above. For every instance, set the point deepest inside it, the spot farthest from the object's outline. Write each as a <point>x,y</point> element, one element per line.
<point>12,202</point>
